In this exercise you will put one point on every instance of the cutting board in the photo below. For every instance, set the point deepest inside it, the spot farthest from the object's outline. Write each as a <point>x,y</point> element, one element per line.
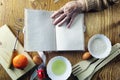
<point>7,41</point>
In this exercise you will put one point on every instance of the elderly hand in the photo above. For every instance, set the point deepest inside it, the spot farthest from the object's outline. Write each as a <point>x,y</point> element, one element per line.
<point>68,12</point>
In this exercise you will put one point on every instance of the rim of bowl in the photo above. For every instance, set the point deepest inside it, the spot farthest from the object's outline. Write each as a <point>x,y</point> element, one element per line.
<point>63,76</point>
<point>106,40</point>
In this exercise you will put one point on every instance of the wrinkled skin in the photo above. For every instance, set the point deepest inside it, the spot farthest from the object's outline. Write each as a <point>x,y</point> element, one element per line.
<point>68,12</point>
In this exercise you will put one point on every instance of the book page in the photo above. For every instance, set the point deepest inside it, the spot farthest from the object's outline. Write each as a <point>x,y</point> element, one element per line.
<point>71,38</point>
<point>39,31</point>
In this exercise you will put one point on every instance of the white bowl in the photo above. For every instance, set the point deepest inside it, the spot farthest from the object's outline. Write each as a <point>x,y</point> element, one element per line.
<point>99,46</point>
<point>59,68</point>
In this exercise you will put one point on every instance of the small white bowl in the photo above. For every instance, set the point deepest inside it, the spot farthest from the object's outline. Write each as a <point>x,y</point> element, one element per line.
<point>54,69</point>
<point>99,46</point>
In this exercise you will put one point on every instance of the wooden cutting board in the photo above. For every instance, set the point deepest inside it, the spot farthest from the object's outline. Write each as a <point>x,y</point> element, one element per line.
<point>7,41</point>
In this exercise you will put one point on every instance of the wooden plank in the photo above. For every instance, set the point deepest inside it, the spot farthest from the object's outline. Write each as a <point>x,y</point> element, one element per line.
<point>7,40</point>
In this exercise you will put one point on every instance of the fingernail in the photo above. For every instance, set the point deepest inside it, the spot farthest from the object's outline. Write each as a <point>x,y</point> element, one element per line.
<point>68,26</point>
<point>51,16</point>
<point>54,23</point>
<point>59,24</point>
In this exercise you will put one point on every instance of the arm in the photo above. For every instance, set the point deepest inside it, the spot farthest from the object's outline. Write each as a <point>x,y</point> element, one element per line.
<point>69,11</point>
<point>99,4</point>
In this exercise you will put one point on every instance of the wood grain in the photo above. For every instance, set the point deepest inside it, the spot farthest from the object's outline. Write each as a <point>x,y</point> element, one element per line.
<point>105,22</point>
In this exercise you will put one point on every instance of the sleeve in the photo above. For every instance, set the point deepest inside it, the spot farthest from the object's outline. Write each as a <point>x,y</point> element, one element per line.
<point>97,5</point>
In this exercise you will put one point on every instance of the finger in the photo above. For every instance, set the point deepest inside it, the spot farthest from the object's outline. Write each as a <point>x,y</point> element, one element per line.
<point>59,19</point>
<point>63,21</point>
<point>66,19</point>
<point>56,13</point>
<point>71,20</point>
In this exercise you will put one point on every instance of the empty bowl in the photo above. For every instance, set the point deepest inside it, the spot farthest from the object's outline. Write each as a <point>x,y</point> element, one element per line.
<point>99,46</point>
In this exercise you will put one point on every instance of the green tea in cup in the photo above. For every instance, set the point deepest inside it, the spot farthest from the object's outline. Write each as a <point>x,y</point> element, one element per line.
<point>58,67</point>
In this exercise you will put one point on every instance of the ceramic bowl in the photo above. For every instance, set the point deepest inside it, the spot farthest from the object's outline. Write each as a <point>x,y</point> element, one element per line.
<point>99,46</point>
<point>59,68</point>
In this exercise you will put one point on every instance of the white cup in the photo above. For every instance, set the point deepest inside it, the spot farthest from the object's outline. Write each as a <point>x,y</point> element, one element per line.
<point>63,65</point>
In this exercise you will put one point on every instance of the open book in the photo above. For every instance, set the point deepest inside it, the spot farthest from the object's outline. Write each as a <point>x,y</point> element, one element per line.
<point>41,35</point>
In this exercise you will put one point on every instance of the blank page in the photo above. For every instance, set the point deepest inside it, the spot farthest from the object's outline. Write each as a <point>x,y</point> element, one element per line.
<point>72,38</point>
<point>39,31</point>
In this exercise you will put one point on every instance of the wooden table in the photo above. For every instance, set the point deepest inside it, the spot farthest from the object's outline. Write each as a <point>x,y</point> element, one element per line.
<point>105,22</point>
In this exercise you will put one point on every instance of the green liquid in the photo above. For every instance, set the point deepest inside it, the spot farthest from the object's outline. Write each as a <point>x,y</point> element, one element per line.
<point>58,67</point>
